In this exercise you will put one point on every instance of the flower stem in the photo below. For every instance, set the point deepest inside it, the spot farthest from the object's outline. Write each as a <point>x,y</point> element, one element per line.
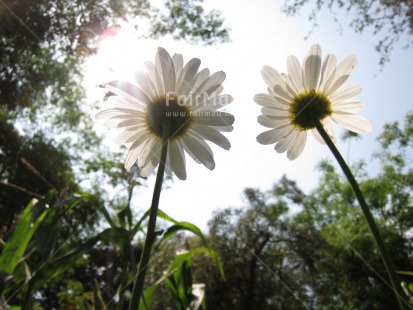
<point>388,263</point>
<point>150,234</point>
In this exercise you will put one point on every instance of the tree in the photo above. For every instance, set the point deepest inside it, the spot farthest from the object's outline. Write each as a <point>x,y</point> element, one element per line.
<point>323,255</point>
<point>389,19</point>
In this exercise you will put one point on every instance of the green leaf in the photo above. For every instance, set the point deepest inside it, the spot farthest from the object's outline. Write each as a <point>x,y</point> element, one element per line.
<point>166,217</point>
<point>56,266</point>
<point>146,300</point>
<point>17,244</point>
<point>137,227</point>
<point>47,234</point>
<point>178,226</point>
<point>100,206</point>
<point>172,230</point>
<point>182,258</point>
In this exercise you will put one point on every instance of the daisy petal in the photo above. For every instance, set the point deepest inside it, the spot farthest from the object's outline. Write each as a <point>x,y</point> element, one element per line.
<point>328,127</point>
<point>271,76</point>
<point>275,112</point>
<point>345,92</point>
<point>294,72</point>
<point>273,135</point>
<point>177,159</point>
<point>211,84</point>
<point>178,63</point>
<point>328,71</point>
<point>213,135</point>
<point>312,67</point>
<point>135,149</point>
<point>265,100</point>
<point>272,122</point>
<point>184,83</point>
<point>352,122</point>
<point>151,164</point>
<point>128,91</point>
<point>287,142</point>
<point>199,150</point>
<point>348,106</point>
<point>168,70</point>
<point>298,146</point>
<point>214,118</point>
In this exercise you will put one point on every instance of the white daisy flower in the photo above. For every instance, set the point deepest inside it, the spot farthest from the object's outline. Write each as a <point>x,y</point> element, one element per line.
<point>168,89</point>
<point>315,91</point>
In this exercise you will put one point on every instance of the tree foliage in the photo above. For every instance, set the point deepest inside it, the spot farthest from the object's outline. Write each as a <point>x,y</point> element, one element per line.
<point>389,20</point>
<point>322,255</point>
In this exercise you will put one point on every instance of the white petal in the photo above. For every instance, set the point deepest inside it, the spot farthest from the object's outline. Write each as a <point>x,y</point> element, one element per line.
<point>271,76</point>
<point>328,71</point>
<point>269,101</point>
<point>152,161</point>
<point>119,113</point>
<point>200,77</point>
<point>128,91</point>
<point>275,112</point>
<point>214,103</point>
<point>283,93</point>
<point>151,73</point>
<point>130,122</point>
<point>345,92</point>
<point>273,135</point>
<point>342,74</point>
<point>299,144</point>
<point>119,102</point>
<point>131,158</point>
<point>200,150</point>
<point>135,149</point>
<point>217,92</point>
<point>336,85</point>
<point>312,67</point>
<point>347,106</point>
<point>168,169</point>
<point>130,135</point>
<point>287,142</point>
<point>146,84</point>
<point>352,122</point>
<point>214,118</point>
<point>177,158</point>
<point>272,122</point>
<point>167,69</point>
<point>213,135</point>
<point>346,66</point>
<point>328,127</point>
<point>211,84</point>
<point>178,63</point>
<point>295,73</point>
<point>185,80</point>
<point>224,128</point>
<point>148,151</point>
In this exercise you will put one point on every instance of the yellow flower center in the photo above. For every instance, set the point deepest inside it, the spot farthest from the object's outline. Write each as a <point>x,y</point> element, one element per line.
<point>168,107</point>
<point>307,108</point>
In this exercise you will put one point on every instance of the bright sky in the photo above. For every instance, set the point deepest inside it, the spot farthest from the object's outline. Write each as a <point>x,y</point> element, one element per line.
<point>261,35</point>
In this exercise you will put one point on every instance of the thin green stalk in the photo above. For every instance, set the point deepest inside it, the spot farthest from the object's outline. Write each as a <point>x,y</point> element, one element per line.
<point>388,263</point>
<point>150,234</point>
